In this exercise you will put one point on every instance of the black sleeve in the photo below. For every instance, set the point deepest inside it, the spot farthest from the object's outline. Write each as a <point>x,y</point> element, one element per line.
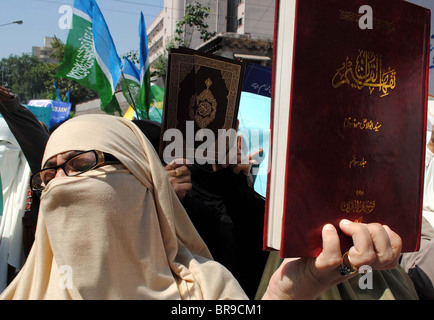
<point>30,134</point>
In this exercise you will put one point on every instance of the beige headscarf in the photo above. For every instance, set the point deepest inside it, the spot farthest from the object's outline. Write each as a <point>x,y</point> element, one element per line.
<point>116,233</point>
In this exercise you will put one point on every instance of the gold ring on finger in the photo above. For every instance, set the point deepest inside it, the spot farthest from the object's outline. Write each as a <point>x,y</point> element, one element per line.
<point>178,172</point>
<point>347,268</point>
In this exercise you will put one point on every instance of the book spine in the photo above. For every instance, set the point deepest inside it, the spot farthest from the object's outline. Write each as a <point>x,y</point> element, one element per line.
<point>282,252</point>
<point>427,63</point>
<point>273,77</point>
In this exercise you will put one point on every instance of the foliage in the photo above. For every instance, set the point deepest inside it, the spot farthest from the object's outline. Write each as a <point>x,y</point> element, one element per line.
<point>160,64</point>
<point>31,78</point>
<point>24,75</point>
<point>133,56</point>
<point>195,17</point>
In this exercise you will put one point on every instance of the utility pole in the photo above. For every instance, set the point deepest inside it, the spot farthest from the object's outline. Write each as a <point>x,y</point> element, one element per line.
<point>13,22</point>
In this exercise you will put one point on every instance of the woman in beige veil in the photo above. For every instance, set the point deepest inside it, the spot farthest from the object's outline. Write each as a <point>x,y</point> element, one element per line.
<point>118,231</point>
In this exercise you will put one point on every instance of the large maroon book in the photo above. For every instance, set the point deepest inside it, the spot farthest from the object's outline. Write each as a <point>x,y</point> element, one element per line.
<point>348,120</point>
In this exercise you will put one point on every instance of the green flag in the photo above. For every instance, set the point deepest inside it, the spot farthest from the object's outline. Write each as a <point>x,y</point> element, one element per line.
<point>130,89</point>
<point>130,82</point>
<point>156,109</point>
<point>90,54</point>
<point>145,74</point>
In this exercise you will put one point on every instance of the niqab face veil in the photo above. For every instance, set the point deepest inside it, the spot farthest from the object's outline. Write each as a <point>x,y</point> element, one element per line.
<point>118,231</point>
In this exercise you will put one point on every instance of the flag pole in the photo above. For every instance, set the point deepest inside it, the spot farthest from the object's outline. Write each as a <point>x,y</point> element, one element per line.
<point>129,93</point>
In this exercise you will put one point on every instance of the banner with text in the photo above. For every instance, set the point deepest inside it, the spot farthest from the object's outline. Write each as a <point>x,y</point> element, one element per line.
<point>59,110</point>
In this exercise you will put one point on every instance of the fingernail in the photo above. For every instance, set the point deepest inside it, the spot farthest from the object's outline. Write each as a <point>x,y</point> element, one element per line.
<point>329,227</point>
<point>387,227</point>
<point>345,221</point>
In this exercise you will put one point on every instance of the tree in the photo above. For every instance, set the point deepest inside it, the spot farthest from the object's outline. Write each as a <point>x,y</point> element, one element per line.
<point>133,56</point>
<point>160,64</point>
<point>195,17</point>
<point>31,78</point>
<point>25,76</point>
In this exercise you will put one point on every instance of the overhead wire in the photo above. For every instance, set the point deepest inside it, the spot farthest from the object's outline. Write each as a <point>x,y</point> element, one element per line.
<point>64,2</point>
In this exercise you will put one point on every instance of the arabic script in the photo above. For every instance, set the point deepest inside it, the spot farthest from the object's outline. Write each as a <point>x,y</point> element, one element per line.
<point>85,57</point>
<point>366,72</point>
<point>358,206</point>
<point>358,162</point>
<point>363,124</point>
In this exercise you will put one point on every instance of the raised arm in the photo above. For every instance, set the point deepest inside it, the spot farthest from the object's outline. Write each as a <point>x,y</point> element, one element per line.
<point>26,128</point>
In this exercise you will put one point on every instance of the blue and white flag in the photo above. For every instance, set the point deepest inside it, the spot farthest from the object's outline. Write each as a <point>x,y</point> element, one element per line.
<point>131,72</point>
<point>131,82</point>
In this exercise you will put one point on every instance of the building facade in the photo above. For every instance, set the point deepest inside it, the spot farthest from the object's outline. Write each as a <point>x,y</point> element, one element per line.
<point>244,17</point>
<point>44,52</point>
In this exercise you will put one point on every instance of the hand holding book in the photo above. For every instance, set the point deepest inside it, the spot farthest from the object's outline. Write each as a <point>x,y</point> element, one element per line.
<point>237,160</point>
<point>375,245</point>
<point>179,176</point>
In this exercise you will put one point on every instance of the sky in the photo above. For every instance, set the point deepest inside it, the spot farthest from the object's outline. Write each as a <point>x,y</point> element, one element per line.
<point>41,19</point>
